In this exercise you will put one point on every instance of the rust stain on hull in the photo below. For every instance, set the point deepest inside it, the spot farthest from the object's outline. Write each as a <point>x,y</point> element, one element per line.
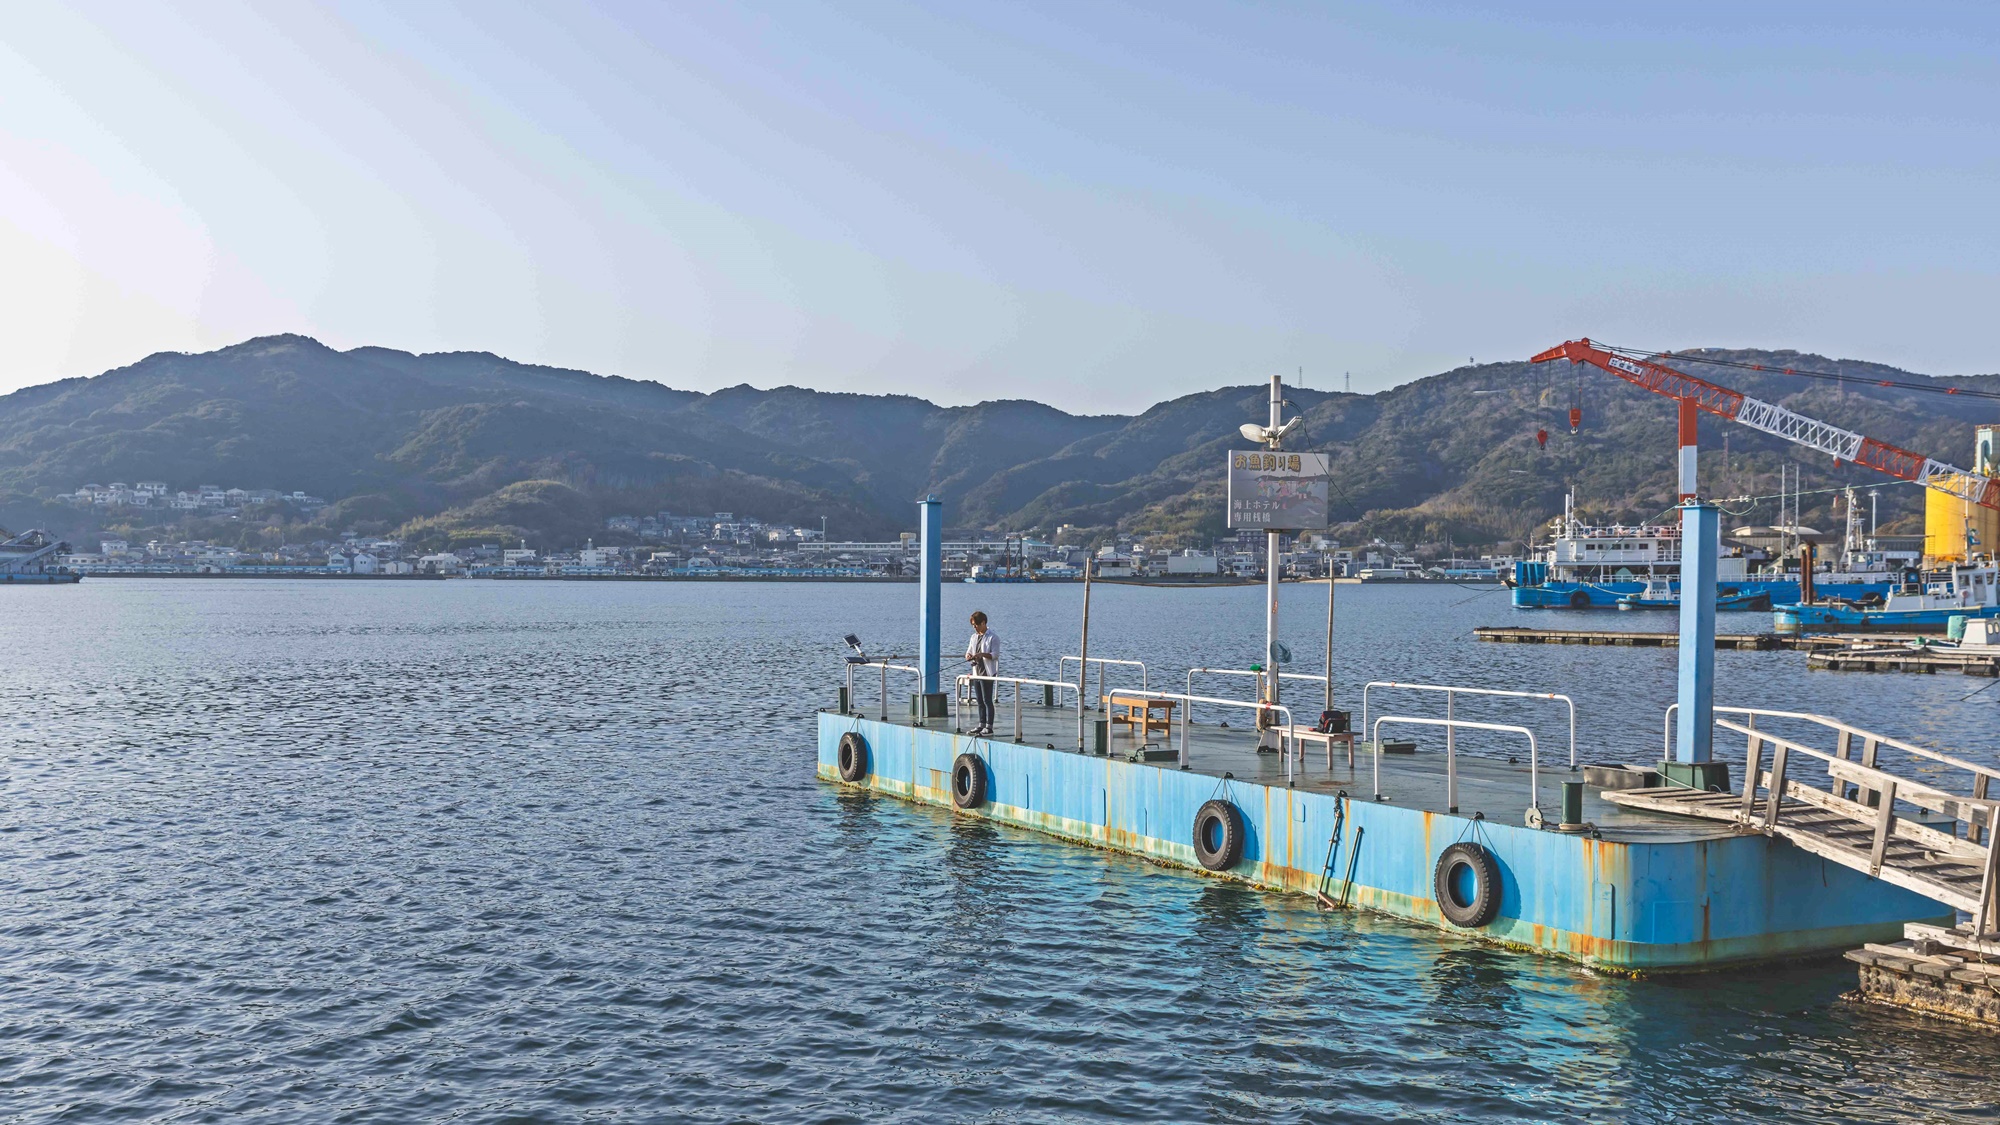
<point>1137,809</point>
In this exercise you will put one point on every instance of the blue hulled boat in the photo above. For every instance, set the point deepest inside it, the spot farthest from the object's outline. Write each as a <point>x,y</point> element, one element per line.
<point>1590,567</point>
<point>1923,604</point>
<point>1659,593</point>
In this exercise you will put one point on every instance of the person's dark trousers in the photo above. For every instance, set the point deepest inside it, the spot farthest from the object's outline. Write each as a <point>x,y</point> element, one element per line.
<point>983,691</point>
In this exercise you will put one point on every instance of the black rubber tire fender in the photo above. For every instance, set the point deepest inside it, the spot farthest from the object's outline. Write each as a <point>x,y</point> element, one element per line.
<point>852,756</point>
<point>1218,835</point>
<point>1579,600</point>
<point>968,782</point>
<point>1483,905</point>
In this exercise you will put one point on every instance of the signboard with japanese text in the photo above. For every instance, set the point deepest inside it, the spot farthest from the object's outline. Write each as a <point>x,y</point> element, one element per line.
<point>1272,491</point>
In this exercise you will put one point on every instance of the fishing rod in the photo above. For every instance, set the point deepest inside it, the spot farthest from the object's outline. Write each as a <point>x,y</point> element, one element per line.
<point>860,657</point>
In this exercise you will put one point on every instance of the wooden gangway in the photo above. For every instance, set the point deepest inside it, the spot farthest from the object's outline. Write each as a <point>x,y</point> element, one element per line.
<point>1879,805</point>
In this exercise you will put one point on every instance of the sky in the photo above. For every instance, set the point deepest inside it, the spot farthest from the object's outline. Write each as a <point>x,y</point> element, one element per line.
<point>1095,205</point>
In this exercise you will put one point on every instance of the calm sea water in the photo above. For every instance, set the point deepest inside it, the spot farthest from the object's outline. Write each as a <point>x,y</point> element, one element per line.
<point>482,851</point>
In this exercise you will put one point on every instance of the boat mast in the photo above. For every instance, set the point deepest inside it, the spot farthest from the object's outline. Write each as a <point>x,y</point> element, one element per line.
<point>1852,551</point>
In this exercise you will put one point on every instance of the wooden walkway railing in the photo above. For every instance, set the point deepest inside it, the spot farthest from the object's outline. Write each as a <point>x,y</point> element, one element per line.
<point>1879,805</point>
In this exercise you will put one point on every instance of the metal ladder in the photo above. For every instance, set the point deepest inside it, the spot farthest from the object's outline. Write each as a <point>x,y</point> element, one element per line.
<point>1320,896</point>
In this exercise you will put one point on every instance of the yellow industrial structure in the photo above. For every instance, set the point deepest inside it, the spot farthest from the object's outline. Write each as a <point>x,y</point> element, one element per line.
<point>1957,530</point>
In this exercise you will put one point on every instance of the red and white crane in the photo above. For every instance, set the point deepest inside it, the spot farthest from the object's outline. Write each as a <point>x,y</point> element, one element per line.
<point>1842,445</point>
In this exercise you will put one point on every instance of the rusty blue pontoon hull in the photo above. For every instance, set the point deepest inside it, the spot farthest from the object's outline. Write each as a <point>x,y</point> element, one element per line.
<point>1661,894</point>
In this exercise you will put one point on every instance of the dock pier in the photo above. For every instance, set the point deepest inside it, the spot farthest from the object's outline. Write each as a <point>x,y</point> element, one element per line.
<point>1905,658</point>
<point>1629,889</point>
<point>1705,870</point>
<point>1942,972</point>
<point>1628,638</point>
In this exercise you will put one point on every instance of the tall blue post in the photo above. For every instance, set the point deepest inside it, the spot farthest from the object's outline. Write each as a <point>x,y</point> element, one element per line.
<point>930,599</point>
<point>1700,534</point>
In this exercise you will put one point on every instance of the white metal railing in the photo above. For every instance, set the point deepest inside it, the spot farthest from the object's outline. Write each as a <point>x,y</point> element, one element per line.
<point>1192,672</point>
<point>886,669</point>
<point>958,695</point>
<point>1452,692</point>
<point>1534,814</point>
<point>1083,695</point>
<point>1287,743</point>
<point>1258,676</point>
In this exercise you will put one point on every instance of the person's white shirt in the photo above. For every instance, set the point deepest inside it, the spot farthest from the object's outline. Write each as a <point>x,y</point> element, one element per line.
<point>984,652</point>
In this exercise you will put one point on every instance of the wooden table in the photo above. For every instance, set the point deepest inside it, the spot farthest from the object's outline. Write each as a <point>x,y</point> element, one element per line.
<point>1308,734</point>
<point>1139,711</point>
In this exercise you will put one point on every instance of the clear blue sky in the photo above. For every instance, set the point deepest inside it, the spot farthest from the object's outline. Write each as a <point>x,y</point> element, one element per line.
<point>1095,205</point>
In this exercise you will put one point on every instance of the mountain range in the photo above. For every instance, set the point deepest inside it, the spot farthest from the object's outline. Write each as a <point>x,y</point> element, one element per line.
<point>463,446</point>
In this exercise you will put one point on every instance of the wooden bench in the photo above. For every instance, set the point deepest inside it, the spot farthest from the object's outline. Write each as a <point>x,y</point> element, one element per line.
<point>1138,711</point>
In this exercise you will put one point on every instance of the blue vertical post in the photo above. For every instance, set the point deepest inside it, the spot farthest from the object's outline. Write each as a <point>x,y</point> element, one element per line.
<point>1700,535</point>
<point>930,599</point>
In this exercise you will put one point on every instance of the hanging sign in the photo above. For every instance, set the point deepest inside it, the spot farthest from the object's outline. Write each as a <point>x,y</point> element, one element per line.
<point>1278,491</point>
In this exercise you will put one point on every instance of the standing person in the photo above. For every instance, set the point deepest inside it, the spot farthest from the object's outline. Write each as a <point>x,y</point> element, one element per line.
<point>983,653</point>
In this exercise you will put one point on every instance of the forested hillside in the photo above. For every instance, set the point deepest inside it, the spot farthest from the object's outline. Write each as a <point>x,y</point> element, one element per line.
<point>463,446</point>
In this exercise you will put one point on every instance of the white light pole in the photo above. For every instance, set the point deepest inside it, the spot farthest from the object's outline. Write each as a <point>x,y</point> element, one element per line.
<point>1271,665</point>
<point>1262,510</point>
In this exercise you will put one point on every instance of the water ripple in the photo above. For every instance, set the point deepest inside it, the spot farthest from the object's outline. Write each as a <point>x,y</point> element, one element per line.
<point>529,852</point>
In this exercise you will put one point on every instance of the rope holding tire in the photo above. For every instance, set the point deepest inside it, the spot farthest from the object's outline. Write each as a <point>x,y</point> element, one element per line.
<point>968,782</point>
<point>1467,885</point>
<point>852,757</point>
<point>1218,835</point>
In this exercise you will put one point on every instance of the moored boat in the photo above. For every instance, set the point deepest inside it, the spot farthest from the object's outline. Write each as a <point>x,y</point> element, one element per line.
<point>1584,566</point>
<point>1918,605</point>
<point>30,559</point>
<point>1662,594</point>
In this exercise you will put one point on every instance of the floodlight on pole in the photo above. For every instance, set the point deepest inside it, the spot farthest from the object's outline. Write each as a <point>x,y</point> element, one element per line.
<point>1267,435</point>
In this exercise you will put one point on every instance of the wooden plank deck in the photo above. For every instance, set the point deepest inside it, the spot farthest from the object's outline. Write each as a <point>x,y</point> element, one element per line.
<point>1935,970</point>
<point>1628,638</point>
<point>1898,658</point>
<point>1624,638</point>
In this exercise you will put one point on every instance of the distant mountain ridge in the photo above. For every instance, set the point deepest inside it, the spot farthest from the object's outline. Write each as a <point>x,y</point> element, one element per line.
<point>459,445</point>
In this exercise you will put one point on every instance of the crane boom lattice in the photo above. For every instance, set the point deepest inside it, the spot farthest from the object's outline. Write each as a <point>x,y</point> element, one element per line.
<point>1824,437</point>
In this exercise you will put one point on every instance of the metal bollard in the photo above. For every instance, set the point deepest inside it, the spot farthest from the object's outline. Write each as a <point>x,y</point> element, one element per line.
<point>1572,815</point>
